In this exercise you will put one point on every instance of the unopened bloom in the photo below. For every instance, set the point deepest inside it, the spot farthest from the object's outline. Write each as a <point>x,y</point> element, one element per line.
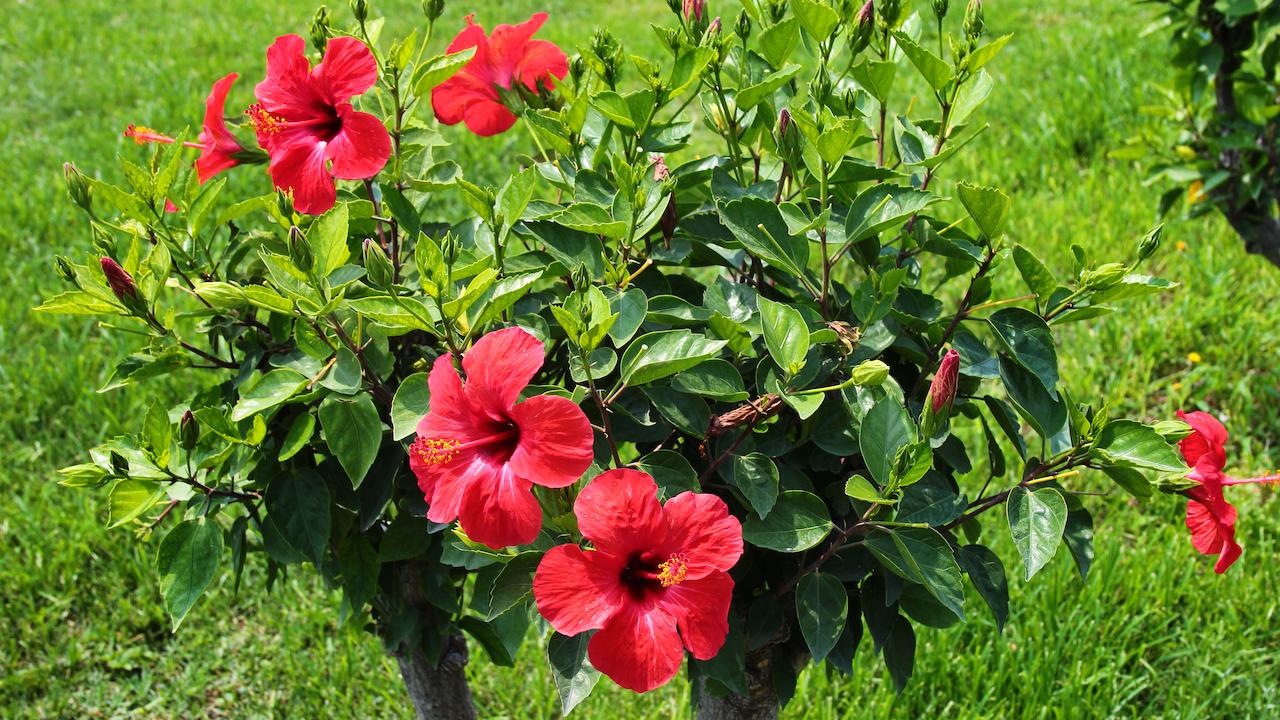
<point>656,583</point>
<point>305,121</point>
<point>943,389</point>
<point>506,60</point>
<point>693,9</point>
<point>119,280</point>
<point>1210,518</point>
<point>479,453</point>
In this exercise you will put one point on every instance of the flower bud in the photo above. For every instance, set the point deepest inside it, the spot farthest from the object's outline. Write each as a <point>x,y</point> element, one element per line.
<point>942,391</point>
<point>712,35</point>
<point>870,373</point>
<point>863,28</point>
<point>889,11</point>
<point>675,6</point>
<point>744,25</point>
<point>77,186</point>
<point>784,122</point>
<point>1103,276</point>
<point>433,9</point>
<point>660,170</point>
<point>377,265</point>
<point>284,202</point>
<point>188,431</point>
<point>65,271</point>
<point>1150,242</point>
<point>973,21</point>
<point>777,8</point>
<point>320,29</point>
<point>940,8</point>
<point>119,279</point>
<point>300,251</point>
<point>449,248</point>
<point>360,8</point>
<point>821,86</point>
<point>577,68</point>
<point>579,277</point>
<point>668,222</point>
<point>693,10</point>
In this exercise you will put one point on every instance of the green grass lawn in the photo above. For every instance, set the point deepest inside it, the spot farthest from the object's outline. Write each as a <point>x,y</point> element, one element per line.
<point>1154,633</point>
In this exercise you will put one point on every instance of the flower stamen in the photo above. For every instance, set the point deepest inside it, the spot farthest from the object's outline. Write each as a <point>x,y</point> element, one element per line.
<point>674,570</point>
<point>435,451</point>
<point>143,135</point>
<point>264,122</point>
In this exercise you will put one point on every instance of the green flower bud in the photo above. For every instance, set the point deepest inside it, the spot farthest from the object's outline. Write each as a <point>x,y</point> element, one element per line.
<point>870,373</point>
<point>77,187</point>
<point>889,11</point>
<point>1174,484</point>
<point>864,26</point>
<point>579,277</point>
<point>973,20</point>
<point>433,9</point>
<point>300,251</point>
<point>1172,430</point>
<point>744,25</point>
<point>940,8</point>
<point>1150,242</point>
<point>360,8</point>
<point>188,431</point>
<point>321,29</point>
<point>377,265</point>
<point>65,271</point>
<point>449,248</point>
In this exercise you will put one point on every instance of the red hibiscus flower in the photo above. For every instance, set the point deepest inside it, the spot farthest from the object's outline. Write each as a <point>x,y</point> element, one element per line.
<point>478,452</point>
<point>508,56</point>
<point>1210,518</point>
<point>219,149</point>
<point>307,125</point>
<point>656,583</point>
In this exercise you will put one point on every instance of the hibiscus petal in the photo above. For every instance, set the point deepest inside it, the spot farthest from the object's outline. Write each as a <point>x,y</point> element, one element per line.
<point>638,648</point>
<point>288,83</point>
<point>541,61</point>
<point>487,119</point>
<point>577,591</point>
<point>500,510</point>
<point>300,168</point>
<point>446,485</point>
<point>556,441</point>
<point>508,45</point>
<point>500,365</point>
<point>361,147</point>
<point>700,526</point>
<point>449,406</point>
<point>1204,449</point>
<point>619,512</point>
<point>701,609</point>
<point>219,143</point>
<point>348,69</point>
<point>1231,552</point>
<point>468,97</point>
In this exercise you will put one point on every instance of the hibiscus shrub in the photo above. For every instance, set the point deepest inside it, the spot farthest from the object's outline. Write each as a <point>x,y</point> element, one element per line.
<point>718,370</point>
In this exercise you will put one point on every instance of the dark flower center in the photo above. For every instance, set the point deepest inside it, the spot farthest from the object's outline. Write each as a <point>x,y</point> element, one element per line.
<point>647,572</point>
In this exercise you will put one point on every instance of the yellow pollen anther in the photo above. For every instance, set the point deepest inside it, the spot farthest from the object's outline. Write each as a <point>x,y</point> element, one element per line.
<point>674,570</point>
<point>435,451</point>
<point>143,135</point>
<point>263,121</point>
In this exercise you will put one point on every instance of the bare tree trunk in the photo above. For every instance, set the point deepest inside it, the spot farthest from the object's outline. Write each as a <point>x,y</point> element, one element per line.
<point>760,702</point>
<point>1261,235</point>
<point>439,691</point>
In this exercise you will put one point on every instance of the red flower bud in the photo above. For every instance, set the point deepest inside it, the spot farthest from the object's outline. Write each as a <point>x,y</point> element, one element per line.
<point>943,389</point>
<point>693,9</point>
<point>119,279</point>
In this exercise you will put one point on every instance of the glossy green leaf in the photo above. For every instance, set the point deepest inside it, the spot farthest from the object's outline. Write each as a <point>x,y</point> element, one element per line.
<point>271,390</point>
<point>922,556</point>
<point>785,335</point>
<point>798,521</point>
<point>661,354</point>
<point>988,207</point>
<point>571,670</point>
<point>1036,519</point>
<point>187,561</point>
<point>412,400</point>
<point>822,608</point>
<point>886,429</point>
<point>1029,340</point>
<point>757,477</point>
<point>1131,444</point>
<point>986,572</point>
<point>298,504</point>
<point>353,431</point>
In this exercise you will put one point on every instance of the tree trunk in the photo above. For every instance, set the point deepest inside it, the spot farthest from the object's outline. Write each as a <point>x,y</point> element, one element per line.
<point>760,702</point>
<point>439,691</point>
<point>1261,234</point>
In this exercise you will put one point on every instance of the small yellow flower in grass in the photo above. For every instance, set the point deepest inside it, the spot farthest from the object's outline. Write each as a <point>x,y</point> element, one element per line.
<point>1195,192</point>
<point>1193,357</point>
<point>1177,386</point>
<point>1181,246</point>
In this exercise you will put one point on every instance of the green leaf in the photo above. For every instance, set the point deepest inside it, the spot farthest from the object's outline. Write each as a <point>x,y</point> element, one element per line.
<point>1133,481</point>
<point>671,471</point>
<point>986,53</point>
<point>75,302</point>
<point>328,240</point>
<point>758,225</point>
<point>1046,413</point>
<point>1131,444</point>
<point>412,400</point>
<point>353,431</point>
<point>271,390</point>
<point>988,207</point>
<point>716,379</point>
<point>358,563</point>
<point>886,429</point>
<point>822,607</point>
<point>986,572</point>
<point>882,206</point>
<point>661,354</point>
<point>1029,340</point>
<point>501,637</point>
<point>749,97</point>
<point>438,69</point>
<point>631,308</point>
<point>187,561</point>
<point>570,669</point>
<point>600,363</point>
<point>1079,536</point>
<point>130,498</point>
<point>1037,520</point>
<point>785,335</point>
<point>818,20</point>
<point>513,583</point>
<point>777,41</point>
<point>900,652</point>
<point>933,69</point>
<point>1034,273</point>
<point>922,556</point>
<point>860,488</point>
<point>757,477</point>
<point>797,522</point>
<point>298,504</point>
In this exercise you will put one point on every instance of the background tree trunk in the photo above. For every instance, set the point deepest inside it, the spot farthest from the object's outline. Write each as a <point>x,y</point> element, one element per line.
<point>439,691</point>
<point>760,702</point>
